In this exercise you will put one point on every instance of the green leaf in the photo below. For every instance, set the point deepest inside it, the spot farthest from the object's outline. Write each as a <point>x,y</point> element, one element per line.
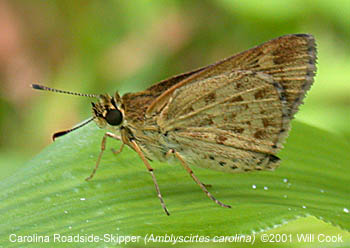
<point>49,195</point>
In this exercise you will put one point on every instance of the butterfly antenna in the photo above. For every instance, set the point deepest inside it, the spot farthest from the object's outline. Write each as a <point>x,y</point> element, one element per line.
<point>61,133</point>
<point>45,88</point>
<point>42,87</point>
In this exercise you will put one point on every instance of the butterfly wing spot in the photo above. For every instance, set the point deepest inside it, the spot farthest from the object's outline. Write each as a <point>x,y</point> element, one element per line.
<point>222,163</point>
<point>273,158</point>
<point>261,94</point>
<point>261,134</point>
<point>266,122</point>
<point>236,99</point>
<point>239,86</point>
<point>221,139</point>
<point>210,98</point>
<point>238,130</point>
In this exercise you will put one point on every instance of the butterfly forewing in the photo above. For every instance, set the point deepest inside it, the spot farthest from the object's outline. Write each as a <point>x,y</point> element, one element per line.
<point>289,59</point>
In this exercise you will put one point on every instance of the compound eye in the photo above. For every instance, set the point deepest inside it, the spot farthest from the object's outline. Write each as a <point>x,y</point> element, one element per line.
<point>114,117</point>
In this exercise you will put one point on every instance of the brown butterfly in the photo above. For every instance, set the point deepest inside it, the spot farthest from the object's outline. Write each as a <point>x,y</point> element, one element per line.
<point>230,116</point>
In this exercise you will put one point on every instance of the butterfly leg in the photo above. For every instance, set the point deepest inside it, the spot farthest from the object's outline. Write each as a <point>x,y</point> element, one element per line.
<point>150,169</point>
<point>116,152</point>
<point>103,147</point>
<point>170,152</point>
<point>188,169</point>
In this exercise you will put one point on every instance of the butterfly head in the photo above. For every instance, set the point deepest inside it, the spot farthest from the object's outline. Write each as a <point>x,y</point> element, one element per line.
<point>107,111</point>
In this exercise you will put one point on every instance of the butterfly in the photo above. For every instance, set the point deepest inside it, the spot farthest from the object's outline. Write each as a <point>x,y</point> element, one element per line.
<point>231,116</point>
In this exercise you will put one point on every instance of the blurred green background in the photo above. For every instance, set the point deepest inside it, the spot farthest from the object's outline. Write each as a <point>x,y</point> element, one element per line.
<point>103,46</point>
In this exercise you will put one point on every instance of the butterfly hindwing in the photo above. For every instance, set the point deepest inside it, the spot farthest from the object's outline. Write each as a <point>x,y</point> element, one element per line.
<point>236,113</point>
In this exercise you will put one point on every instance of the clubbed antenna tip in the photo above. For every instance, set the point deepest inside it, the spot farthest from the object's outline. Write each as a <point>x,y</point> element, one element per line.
<point>37,86</point>
<point>42,87</point>
<point>61,133</point>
